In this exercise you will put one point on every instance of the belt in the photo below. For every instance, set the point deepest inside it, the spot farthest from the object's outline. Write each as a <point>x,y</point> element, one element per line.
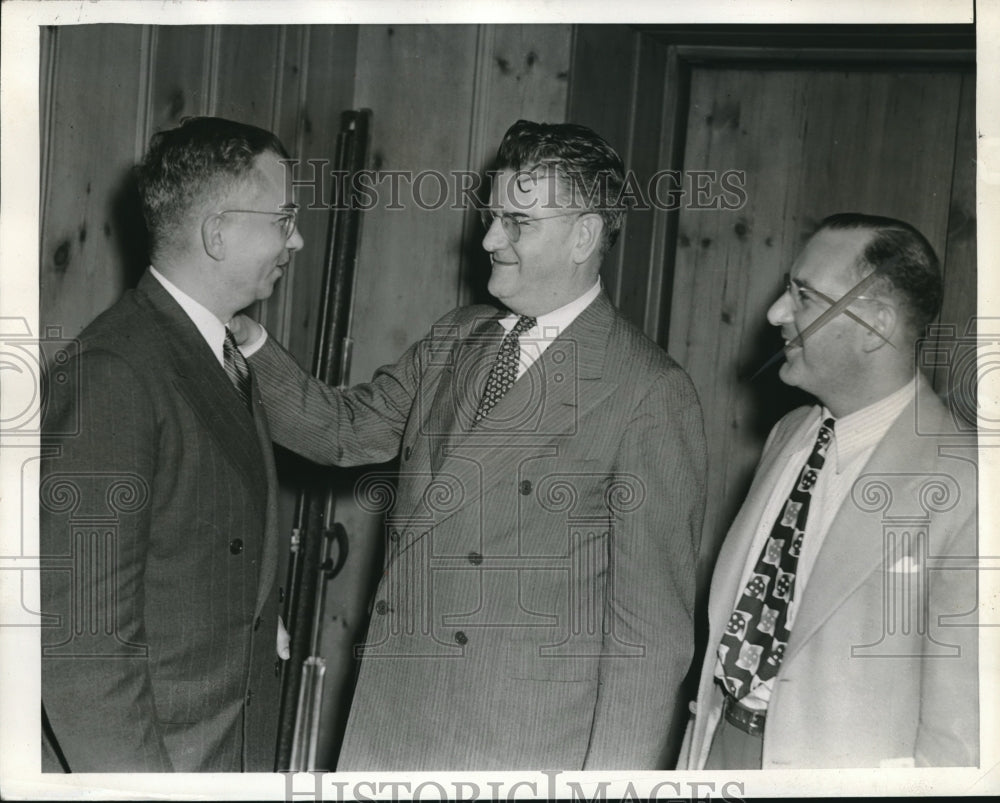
<point>746,719</point>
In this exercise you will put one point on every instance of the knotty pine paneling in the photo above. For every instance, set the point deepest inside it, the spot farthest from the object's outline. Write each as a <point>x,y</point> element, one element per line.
<point>418,81</point>
<point>90,237</point>
<point>180,78</point>
<point>521,72</point>
<point>527,70</point>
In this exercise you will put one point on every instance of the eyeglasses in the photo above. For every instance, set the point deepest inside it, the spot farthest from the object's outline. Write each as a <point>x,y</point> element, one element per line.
<point>802,294</point>
<point>286,216</point>
<point>511,223</point>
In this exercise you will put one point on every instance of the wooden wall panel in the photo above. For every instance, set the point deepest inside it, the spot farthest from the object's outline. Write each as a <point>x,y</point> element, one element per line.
<point>812,143</point>
<point>246,73</point>
<point>526,77</point>
<point>88,219</point>
<point>520,73</point>
<point>418,81</point>
<point>330,52</point>
<point>180,85</point>
<point>643,159</point>
<point>959,254</point>
<point>602,96</point>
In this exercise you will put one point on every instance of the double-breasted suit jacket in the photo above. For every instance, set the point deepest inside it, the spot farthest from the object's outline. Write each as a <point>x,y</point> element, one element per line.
<point>536,605</point>
<point>881,665</point>
<point>159,545</point>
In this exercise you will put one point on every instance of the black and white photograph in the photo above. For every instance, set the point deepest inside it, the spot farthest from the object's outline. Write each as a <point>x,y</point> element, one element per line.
<point>475,401</point>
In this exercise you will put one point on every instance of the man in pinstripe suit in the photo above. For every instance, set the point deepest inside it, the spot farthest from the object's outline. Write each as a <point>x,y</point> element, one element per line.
<point>158,525</point>
<point>536,605</point>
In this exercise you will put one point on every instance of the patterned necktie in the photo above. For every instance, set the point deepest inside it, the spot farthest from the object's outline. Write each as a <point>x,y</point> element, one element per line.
<point>754,642</point>
<point>503,374</point>
<point>236,368</point>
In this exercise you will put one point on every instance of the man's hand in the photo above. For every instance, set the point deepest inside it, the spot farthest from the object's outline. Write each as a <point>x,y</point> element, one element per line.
<point>245,330</point>
<point>283,638</point>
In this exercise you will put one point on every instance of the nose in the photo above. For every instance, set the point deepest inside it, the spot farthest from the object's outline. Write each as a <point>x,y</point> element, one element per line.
<point>295,242</point>
<point>780,312</point>
<point>495,239</point>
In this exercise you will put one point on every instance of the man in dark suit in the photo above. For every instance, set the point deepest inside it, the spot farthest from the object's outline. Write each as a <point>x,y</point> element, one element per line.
<point>842,609</point>
<point>158,525</point>
<point>536,605</point>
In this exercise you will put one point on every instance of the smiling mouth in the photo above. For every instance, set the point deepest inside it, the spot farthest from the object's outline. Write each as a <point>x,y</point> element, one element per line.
<point>793,342</point>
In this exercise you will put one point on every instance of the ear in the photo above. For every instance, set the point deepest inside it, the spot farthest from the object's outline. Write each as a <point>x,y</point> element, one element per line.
<point>885,323</point>
<point>213,238</point>
<point>589,229</point>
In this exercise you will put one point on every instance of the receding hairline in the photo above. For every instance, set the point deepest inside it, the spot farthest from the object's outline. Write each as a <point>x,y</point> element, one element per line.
<point>254,177</point>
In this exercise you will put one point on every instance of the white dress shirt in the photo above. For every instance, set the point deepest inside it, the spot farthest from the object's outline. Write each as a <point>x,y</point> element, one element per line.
<point>855,437</point>
<point>211,328</point>
<point>547,327</point>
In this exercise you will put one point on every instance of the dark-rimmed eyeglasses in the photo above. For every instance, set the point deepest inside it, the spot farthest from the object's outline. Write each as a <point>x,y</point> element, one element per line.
<point>511,222</point>
<point>287,216</point>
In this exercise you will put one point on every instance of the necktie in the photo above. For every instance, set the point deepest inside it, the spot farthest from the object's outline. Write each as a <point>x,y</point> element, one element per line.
<point>503,374</point>
<point>236,368</point>
<point>754,642</point>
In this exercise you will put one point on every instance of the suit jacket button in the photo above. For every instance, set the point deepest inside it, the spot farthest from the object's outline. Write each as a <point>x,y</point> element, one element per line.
<point>236,546</point>
<point>277,667</point>
<point>475,558</point>
<point>256,624</point>
<point>525,487</point>
<point>461,638</point>
<point>249,697</point>
<point>407,452</point>
<point>381,607</point>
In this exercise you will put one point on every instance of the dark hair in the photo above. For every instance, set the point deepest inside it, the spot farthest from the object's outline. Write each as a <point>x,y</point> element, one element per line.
<point>199,160</point>
<point>588,167</point>
<point>906,262</point>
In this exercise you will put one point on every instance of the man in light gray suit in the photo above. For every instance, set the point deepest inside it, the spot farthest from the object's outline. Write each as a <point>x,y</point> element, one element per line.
<point>842,611</point>
<point>536,605</point>
<point>158,514</point>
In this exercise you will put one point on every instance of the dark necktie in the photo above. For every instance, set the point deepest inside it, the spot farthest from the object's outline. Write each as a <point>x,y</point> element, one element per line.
<point>754,642</point>
<point>503,374</point>
<point>236,368</point>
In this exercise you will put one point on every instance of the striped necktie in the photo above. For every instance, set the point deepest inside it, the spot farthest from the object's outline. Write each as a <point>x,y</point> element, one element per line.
<point>236,368</point>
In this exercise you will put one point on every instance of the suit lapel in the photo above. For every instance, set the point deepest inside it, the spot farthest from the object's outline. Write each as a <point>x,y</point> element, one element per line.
<point>853,548</point>
<point>201,381</point>
<point>735,553</point>
<point>454,404</point>
<point>544,405</point>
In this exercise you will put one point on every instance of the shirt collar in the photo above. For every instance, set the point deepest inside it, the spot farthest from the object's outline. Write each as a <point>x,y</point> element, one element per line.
<point>864,428</point>
<point>210,327</point>
<point>550,325</point>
